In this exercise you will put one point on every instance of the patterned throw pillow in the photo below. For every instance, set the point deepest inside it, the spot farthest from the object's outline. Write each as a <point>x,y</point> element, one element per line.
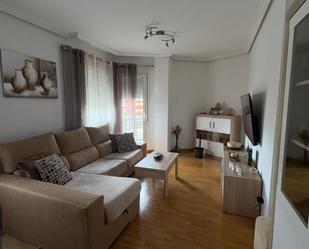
<point>52,169</point>
<point>126,142</point>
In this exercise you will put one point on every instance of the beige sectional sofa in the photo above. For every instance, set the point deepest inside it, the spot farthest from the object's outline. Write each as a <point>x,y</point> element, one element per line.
<point>90,211</point>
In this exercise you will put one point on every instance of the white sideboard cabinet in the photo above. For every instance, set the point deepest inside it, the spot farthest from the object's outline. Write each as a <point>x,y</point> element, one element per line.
<point>215,131</point>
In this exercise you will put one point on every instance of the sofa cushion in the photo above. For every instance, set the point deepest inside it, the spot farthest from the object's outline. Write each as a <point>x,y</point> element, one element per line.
<point>52,169</point>
<point>118,192</point>
<point>73,141</point>
<point>83,157</point>
<point>66,162</point>
<point>99,134</point>
<point>112,167</point>
<point>104,148</point>
<point>131,157</point>
<point>76,146</point>
<point>11,153</point>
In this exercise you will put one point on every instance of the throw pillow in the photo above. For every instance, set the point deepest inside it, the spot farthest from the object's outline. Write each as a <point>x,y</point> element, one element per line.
<point>126,142</point>
<point>27,165</point>
<point>52,169</point>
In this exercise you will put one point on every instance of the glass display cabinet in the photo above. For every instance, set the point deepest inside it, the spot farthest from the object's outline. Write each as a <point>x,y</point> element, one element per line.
<point>295,141</point>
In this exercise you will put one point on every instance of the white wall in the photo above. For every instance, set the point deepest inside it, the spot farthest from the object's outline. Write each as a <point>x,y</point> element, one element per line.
<point>264,81</point>
<point>19,117</point>
<point>187,98</point>
<point>227,80</point>
<point>197,86</point>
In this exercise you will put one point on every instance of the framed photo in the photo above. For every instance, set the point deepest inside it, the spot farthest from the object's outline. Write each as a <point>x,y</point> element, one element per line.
<point>27,76</point>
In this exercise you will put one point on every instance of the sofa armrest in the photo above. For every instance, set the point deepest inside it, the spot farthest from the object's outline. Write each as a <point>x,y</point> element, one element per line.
<point>50,216</point>
<point>143,147</point>
<point>262,232</point>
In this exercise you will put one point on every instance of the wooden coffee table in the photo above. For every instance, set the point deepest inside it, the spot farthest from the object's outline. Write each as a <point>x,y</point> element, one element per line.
<point>150,168</point>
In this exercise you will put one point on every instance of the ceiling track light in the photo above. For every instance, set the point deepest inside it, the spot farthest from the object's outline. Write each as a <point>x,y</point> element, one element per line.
<point>166,36</point>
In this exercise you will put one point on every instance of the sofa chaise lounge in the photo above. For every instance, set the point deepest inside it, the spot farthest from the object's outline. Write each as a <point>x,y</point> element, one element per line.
<point>90,211</point>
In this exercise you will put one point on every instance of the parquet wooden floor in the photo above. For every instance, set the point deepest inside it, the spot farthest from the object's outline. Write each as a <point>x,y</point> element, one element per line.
<point>191,217</point>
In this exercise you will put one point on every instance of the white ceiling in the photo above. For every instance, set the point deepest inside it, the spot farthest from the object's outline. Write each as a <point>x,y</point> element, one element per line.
<point>205,29</point>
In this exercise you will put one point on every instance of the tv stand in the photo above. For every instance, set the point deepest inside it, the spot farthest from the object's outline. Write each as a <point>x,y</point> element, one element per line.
<point>240,192</point>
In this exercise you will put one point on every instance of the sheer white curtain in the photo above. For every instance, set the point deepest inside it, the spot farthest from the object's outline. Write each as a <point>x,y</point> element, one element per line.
<point>99,92</point>
<point>133,109</point>
<point>130,99</point>
<point>135,105</point>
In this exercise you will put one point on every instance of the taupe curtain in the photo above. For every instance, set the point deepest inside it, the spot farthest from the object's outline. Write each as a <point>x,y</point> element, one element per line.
<point>124,80</point>
<point>73,61</point>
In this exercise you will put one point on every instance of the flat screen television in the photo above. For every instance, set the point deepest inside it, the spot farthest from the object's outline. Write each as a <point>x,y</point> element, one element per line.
<point>249,119</point>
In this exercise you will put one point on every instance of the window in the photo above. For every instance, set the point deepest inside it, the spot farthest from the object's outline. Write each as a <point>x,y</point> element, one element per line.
<point>100,102</point>
<point>99,92</point>
<point>133,109</point>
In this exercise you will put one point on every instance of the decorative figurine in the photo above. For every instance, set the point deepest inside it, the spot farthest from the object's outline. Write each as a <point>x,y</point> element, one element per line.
<point>176,131</point>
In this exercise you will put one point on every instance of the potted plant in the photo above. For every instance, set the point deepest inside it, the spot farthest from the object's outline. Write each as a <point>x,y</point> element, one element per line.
<point>199,151</point>
<point>176,131</point>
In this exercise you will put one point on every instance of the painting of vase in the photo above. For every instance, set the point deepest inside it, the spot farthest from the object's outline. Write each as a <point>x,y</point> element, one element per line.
<point>18,81</point>
<point>46,83</point>
<point>30,75</point>
<point>26,76</point>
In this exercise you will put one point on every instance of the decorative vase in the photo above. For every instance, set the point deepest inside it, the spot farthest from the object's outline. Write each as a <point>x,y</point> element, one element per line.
<point>18,81</point>
<point>30,75</point>
<point>46,83</point>
<point>199,152</point>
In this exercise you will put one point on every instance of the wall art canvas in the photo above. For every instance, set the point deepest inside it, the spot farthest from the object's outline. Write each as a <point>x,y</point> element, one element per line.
<point>27,76</point>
